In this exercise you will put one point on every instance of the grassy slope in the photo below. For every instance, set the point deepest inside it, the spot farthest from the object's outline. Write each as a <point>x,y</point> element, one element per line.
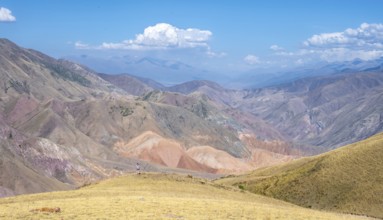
<point>349,179</point>
<point>156,196</point>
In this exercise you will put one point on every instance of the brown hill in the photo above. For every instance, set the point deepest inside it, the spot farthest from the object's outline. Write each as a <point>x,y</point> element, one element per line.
<point>18,175</point>
<point>192,86</point>
<point>220,160</point>
<point>324,111</point>
<point>128,83</point>
<point>312,114</point>
<point>151,147</point>
<point>68,125</point>
<point>63,122</point>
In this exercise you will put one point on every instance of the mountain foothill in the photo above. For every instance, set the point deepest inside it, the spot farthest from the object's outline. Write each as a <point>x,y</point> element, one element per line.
<point>64,125</point>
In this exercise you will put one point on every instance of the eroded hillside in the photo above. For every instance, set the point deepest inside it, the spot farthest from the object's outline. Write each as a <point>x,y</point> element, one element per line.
<point>66,126</point>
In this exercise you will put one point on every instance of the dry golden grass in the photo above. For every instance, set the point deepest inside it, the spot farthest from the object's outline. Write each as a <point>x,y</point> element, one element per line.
<point>155,196</point>
<point>347,180</point>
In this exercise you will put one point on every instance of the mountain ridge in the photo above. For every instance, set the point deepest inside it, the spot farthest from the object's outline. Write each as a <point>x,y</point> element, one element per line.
<point>75,127</point>
<point>67,121</point>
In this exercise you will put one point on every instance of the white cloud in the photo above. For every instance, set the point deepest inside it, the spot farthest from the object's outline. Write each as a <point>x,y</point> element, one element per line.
<point>276,48</point>
<point>252,59</point>
<point>364,42</point>
<point>161,36</point>
<point>366,37</point>
<point>81,45</point>
<point>6,15</point>
<point>299,62</point>
<point>210,53</point>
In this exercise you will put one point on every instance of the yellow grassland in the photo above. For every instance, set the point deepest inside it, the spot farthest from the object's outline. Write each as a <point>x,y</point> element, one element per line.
<point>347,180</point>
<point>156,196</point>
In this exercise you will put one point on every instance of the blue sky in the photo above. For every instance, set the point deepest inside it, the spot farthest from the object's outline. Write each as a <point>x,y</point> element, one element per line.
<point>218,35</point>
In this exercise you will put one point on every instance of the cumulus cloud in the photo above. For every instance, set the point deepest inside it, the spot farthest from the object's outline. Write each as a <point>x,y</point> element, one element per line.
<point>299,62</point>
<point>364,42</point>
<point>367,36</point>
<point>161,36</point>
<point>81,45</point>
<point>6,15</point>
<point>210,53</point>
<point>252,59</point>
<point>276,48</point>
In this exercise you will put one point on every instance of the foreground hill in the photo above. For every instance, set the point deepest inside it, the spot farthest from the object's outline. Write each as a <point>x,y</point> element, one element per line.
<point>155,196</point>
<point>347,180</point>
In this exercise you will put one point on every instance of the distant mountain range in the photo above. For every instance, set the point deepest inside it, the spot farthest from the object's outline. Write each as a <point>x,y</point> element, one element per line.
<point>167,72</point>
<point>63,124</point>
<point>170,72</point>
<point>253,79</point>
<point>310,111</point>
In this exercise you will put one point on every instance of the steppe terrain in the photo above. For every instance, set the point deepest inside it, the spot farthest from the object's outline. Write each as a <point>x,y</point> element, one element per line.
<point>155,196</point>
<point>348,179</point>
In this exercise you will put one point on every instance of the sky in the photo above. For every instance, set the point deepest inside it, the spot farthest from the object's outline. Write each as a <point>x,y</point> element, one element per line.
<point>228,36</point>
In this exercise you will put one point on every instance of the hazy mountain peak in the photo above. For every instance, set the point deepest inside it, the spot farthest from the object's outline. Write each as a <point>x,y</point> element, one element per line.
<point>192,86</point>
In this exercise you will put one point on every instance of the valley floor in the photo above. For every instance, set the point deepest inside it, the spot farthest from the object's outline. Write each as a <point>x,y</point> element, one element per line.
<point>155,196</point>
